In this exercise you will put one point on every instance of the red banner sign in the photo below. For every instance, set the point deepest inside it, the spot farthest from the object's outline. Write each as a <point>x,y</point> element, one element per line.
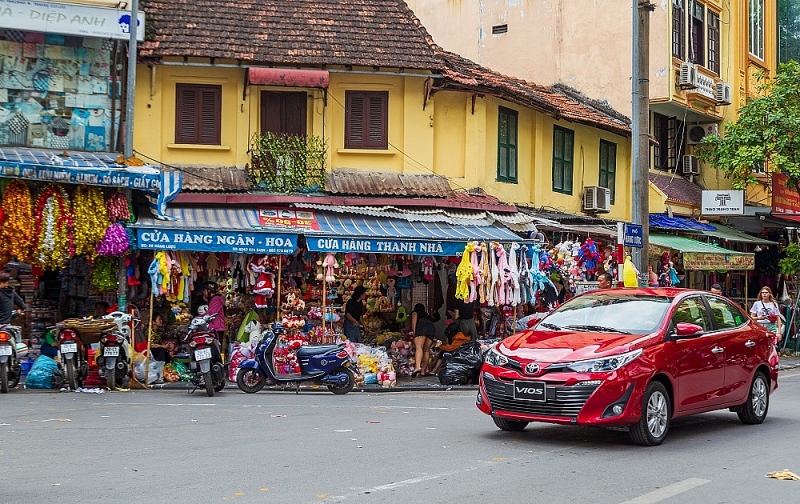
<point>785,200</point>
<point>284,218</point>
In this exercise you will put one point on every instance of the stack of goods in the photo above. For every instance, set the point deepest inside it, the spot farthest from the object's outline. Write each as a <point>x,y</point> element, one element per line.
<point>374,365</point>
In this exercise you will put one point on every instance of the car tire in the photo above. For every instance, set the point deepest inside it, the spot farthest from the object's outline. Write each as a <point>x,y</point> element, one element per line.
<point>652,427</point>
<point>754,411</point>
<point>509,425</point>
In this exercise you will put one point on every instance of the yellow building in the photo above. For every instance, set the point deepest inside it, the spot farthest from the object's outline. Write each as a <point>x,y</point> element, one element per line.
<point>201,98</point>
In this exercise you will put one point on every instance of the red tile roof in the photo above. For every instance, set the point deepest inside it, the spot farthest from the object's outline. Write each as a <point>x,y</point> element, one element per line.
<point>677,188</point>
<point>559,101</point>
<point>382,33</point>
<point>386,183</point>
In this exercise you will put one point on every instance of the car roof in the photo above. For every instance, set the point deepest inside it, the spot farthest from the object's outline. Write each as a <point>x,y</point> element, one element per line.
<point>670,292</point>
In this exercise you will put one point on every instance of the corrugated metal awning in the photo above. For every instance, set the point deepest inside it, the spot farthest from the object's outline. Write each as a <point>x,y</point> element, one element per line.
<point>687,245</point>
<point>733,235</point>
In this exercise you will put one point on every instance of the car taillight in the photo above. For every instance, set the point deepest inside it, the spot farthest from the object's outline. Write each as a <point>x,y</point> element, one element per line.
<point>67,335</point>
<point>4,337</point>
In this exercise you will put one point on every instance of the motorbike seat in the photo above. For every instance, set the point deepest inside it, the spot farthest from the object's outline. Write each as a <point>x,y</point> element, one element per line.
<point>309,350</point>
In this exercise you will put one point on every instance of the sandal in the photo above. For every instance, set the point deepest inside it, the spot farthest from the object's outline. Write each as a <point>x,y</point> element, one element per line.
<point>415,373</point>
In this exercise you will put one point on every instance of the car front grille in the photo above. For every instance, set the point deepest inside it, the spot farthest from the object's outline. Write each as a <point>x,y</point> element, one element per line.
<point>562,401</point>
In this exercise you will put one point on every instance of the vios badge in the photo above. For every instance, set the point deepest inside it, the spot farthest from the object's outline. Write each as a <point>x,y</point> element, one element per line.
<point>532,368</point>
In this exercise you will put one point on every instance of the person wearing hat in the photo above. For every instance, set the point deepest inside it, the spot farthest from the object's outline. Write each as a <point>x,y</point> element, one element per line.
<point>422,325</point>
<point>353,311</point>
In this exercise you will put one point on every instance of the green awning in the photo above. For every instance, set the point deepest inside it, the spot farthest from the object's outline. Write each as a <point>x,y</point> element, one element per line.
<point>733,235</point>
<point>702,256</point>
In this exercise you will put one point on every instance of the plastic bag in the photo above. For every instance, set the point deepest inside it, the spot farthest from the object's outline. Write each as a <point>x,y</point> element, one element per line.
<point>182,371</point>
<point>41,373</point>
<point>156,368</point>
<point>463,365</point>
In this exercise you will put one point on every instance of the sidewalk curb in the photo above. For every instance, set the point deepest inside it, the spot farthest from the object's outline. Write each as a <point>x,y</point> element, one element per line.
<point>369,389</point>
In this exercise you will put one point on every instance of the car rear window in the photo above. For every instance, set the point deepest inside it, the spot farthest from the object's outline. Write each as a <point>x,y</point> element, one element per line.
<point>632,313</point>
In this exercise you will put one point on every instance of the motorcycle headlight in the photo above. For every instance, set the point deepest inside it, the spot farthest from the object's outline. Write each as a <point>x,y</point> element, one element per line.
<point>495,358</point>
<point>604,364</point>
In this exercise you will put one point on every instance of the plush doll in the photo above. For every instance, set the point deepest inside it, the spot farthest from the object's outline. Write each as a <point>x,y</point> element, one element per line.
<point>391,290</point>
<point>330,264</point>
<point>673,275</point>
<point>427,268</point>
<point>264,288</point>
<point>576,249</point>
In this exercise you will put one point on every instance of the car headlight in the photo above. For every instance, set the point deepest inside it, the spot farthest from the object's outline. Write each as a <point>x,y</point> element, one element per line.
<point>604,364</point>
<point>495,358</point>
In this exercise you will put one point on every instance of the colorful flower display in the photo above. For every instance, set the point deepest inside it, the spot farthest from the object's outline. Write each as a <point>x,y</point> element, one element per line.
<point>17,229</point>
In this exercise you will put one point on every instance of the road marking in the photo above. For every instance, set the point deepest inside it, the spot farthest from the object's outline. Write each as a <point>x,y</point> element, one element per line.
<point>153,404</point>
<point>399,484</point>
<point>668,491</point>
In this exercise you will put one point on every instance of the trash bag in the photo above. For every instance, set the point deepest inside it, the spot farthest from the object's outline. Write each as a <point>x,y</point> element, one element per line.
<point>182,371</point>
<point>156,368</point>
<point>462,366</point>
<point>42,372</point>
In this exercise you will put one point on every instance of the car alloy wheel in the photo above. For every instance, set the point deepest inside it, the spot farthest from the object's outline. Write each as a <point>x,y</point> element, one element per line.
<point>652,427</point>
<point>754,411</point>
<point>657,414</point>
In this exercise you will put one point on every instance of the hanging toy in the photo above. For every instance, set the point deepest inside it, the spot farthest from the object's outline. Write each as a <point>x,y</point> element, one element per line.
<point>476,280</point>
<point>514,288</point>
<point>673,275</point>
<point>427,268</point>
<point>464,273</point>
<point>629,273</point>
<point>330,264</point>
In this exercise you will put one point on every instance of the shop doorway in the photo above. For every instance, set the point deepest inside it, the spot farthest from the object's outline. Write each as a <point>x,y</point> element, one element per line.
<point>284,112</point>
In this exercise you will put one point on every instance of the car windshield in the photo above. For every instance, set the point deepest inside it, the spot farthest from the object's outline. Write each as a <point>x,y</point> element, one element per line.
<point>616,312</point>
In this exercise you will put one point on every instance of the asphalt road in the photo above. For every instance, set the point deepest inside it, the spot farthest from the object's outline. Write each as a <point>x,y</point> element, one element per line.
<point>410,447</point>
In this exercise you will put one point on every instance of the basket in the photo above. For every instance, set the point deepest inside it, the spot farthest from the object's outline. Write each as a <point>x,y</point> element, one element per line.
<point>89,331</point>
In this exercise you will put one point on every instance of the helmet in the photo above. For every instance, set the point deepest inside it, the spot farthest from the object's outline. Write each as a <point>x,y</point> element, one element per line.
<point>202,310</point>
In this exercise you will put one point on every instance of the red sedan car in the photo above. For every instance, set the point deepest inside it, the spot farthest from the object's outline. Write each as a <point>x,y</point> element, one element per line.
<point>631,357</point>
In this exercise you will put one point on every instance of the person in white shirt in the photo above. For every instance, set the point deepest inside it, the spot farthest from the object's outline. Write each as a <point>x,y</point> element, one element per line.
<point>765,311</point>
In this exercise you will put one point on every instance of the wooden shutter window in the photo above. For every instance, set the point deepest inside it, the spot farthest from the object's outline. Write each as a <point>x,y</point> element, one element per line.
<point>366,120</point>
<point>198,114</point>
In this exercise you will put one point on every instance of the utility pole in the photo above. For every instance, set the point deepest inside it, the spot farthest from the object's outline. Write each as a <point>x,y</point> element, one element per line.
<point>640,131</point>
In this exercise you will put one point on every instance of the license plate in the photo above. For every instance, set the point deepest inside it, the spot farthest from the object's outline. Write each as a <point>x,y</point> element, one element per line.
<point>530,391</point>
<point>111,351</point>
<point>69,348</point>
<point>202,354</point>
<point>5,350</point>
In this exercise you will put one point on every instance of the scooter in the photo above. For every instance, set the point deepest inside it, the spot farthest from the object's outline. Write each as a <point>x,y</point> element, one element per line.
<point>113,356</point>
<point>73,356</point>
<point>10,370</point>
<point>327,364</point>
<point>206,360</point>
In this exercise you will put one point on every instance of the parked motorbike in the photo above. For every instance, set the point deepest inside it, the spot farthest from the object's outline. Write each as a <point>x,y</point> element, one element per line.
<point>73,356</point>
<point>325,364</point>
<point>206,360</point>
<point>10,370</point>
<point>113,356</point>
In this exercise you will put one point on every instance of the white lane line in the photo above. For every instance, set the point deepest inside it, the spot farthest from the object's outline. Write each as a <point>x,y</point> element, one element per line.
<point>151,404</point>
<point>397,484</point>
<point>668,491</point>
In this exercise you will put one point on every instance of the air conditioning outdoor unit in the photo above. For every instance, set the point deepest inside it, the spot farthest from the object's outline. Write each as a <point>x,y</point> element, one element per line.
<point>688,76</point>
<point>597,199</point>
<point>697,132</point>
<point>691,165</point>
<point>722,93</point>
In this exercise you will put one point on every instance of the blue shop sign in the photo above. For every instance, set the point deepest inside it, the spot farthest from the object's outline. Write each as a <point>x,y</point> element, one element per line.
<point>384,246</point>
<point>216,241</point>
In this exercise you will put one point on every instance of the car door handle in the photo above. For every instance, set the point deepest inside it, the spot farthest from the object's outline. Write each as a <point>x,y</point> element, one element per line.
<point>716,350</point>
<point>750,344</point>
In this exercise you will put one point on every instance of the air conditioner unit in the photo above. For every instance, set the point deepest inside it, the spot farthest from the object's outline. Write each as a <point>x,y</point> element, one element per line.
<point>691,165</point>
<point>688,76</point>
<point>697,132</point>
<point>597,199</point>
<point>722,93</point>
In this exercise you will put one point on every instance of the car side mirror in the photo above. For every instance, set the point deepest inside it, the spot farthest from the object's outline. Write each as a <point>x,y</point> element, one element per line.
<point>687,330</point>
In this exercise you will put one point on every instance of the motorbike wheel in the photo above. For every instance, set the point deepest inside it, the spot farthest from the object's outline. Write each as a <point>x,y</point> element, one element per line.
<point>209,384</point>
<point>72,379</point>
<point>250,380</point>
<point>111,375</point>
<point>4,377</point>
<point>343,389</point>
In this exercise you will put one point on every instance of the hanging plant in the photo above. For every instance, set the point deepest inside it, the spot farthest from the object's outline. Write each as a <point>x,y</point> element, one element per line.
<point>53,238</point>
<point>115,242</point>
<point>17,229</point>
<point>90,224</point>
<point>104,276</point>
<point>790,264</point>
<point>117,208</point>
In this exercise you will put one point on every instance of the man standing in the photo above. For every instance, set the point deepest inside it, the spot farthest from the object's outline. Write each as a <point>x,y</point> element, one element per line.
<point>9,298</point>
<point>604,280</point>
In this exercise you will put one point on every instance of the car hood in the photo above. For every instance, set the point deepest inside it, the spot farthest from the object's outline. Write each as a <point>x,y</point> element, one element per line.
<point>559,346</point>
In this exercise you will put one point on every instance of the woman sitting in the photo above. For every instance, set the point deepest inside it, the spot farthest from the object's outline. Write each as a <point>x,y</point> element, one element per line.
<point>158,350</point>
<point>455,338</point>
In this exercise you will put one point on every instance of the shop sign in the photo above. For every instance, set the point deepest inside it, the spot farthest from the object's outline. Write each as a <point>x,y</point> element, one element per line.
<point>283,218</point>
<point>708,261</point>
<point>89,176</point>
<point>216,241</point>
<point>723,203</point>
<point>68,19</point>
<point>385,246</point>
<point>785,199</point>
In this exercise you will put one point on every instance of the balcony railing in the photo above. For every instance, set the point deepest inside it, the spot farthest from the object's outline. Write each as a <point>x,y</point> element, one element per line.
<point>287,163</point>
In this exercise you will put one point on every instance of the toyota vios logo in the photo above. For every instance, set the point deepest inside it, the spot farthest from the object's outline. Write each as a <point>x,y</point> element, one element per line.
<point>532,368</point>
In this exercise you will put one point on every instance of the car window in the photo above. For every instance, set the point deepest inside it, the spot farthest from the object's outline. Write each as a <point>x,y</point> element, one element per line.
<point>725,315</point>
<point>692,311</point>
<point>619,311</point>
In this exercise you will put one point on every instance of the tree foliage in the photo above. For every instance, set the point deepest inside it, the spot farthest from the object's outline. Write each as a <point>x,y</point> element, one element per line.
<point>767,131</point>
